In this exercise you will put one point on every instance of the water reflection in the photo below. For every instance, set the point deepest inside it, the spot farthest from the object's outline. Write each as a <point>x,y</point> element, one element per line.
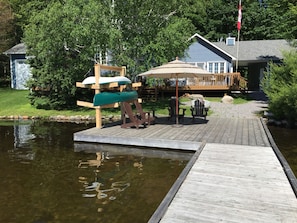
<point>136,175</point>
<point>100,156</point>
<point>46,178</point>
<point>96,186</point>
<point>20,136</point>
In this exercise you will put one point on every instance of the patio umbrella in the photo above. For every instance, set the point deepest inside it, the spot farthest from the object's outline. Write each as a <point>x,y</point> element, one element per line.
<point>175,69</point>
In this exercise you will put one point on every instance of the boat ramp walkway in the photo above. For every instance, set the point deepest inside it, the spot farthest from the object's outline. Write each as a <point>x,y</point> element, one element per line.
<point>236,173</point>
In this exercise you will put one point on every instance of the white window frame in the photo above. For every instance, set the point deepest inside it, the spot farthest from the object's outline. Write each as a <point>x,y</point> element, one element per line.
<point>216,67</point>
<point>202,65</point>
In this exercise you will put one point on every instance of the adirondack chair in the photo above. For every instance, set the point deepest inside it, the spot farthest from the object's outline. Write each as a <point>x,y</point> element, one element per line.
<point>134,120</point>
<point>144,114</point>
<point>172,110</point>
<point>199,110</point>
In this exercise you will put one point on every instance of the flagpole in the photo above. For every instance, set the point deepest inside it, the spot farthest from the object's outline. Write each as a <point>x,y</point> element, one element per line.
<point>238,33</point>
<point>237,52</point>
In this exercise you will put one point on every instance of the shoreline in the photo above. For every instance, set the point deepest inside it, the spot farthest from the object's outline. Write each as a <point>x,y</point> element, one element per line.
<point>58,118</point>
<point>251,109</point>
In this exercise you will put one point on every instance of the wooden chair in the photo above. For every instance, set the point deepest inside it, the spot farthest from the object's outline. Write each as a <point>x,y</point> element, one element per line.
<point>172,110</point>
<point>144,114</point>
<point>199,110</point>
<point>134,120</point>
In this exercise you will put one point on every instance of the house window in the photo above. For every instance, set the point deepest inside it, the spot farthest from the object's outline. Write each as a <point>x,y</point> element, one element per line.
<point>199,64</point>
<point>216,67</point>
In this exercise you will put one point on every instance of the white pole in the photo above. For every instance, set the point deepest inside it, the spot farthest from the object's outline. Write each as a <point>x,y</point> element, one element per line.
<point>238,28</point>
<point>237,53</point>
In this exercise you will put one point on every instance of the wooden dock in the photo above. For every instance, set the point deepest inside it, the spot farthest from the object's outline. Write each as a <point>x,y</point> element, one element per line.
<point>188,137</point>
<point>235,174</point>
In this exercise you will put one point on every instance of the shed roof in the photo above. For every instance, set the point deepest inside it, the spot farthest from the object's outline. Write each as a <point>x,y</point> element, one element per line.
<point>17,49</point>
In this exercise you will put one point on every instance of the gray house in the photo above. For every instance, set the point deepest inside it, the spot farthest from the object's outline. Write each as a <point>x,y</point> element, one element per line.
<point>223,57</point>
<point>19,69</point>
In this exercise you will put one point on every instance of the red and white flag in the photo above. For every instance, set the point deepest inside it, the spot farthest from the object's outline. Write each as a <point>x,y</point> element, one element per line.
<point>239,16</point>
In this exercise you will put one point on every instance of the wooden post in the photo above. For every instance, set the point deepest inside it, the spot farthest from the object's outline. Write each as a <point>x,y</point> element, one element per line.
<point>122,73</point>
<point>97,91</point>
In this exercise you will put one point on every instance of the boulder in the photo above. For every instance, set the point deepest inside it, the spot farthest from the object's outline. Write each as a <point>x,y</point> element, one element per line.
<point>227,99</point>
<point>196,96</point>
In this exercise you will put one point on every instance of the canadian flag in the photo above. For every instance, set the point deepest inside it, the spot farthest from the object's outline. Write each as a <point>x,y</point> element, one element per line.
<point>239,16</point>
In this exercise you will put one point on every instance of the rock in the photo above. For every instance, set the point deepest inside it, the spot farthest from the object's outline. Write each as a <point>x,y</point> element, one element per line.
<point>196,96</point>
<point>206,104</point>
<point>227,99</point>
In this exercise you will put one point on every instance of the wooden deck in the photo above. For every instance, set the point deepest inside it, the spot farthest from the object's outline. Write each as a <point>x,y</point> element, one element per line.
<point>235,174</point>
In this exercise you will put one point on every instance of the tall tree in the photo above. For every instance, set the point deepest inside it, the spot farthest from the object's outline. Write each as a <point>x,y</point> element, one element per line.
<point>221,19</point>
<point>262,19</point>
<point>23,10</point>
<point>268,19</point>
<point>151,32</point>
<point>62,39</point>
<point>7,35</point>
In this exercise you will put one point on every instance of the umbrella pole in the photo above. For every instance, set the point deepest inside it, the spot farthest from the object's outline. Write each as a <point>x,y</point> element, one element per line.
<point>176,100</point>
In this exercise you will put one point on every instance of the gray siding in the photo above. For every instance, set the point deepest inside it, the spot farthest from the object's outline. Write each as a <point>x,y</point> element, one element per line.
<point>199,53</point>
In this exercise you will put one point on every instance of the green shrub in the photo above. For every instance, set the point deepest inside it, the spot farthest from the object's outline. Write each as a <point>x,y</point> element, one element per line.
<point>280,85</point>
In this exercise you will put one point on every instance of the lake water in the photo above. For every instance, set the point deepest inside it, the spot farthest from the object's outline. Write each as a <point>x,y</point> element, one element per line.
<point>46,178</point>
<point>286,140</point>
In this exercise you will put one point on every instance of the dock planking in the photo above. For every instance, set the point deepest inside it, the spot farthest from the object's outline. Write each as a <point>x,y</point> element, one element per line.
<point>234,175</point>
<point>234,183</point>
<point>163,134</point>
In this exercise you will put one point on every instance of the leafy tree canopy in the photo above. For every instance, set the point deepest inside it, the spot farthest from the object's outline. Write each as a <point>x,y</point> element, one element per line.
<point>64,37</point>
<point>261,19</point>
<point>7,37</point>
<point>6,25</point>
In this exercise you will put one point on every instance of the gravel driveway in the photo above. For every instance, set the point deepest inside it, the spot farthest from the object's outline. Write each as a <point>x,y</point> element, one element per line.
<point>246,110</point>
<point>251,109</point>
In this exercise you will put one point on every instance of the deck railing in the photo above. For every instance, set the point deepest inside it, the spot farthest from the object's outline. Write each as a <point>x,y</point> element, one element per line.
<point>217,81</point>
<point>208,82</point>
<point>221,81</point>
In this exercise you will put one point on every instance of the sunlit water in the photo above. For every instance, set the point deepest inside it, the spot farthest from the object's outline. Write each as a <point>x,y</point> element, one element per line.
<point>45,177</point>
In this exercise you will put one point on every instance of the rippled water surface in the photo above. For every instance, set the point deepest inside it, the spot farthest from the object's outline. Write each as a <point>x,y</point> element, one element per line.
<point>45,177</point>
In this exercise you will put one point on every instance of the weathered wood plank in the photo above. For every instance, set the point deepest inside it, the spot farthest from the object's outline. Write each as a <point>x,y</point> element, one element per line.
<point>173,190</point>
<point>230,184</point>
<point>214,130</point>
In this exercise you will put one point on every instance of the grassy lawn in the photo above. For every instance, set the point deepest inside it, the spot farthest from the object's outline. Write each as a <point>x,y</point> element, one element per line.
<point>237,100</point>
<point>16,103</point>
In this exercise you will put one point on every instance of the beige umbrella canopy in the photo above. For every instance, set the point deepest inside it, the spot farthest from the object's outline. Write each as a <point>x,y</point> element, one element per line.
<point>175,69</point>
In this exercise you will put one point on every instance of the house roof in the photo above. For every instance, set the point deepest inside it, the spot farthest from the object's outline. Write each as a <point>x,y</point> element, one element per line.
<point>256,50</point>
<point>17,49</point>
<point>250,51</point>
